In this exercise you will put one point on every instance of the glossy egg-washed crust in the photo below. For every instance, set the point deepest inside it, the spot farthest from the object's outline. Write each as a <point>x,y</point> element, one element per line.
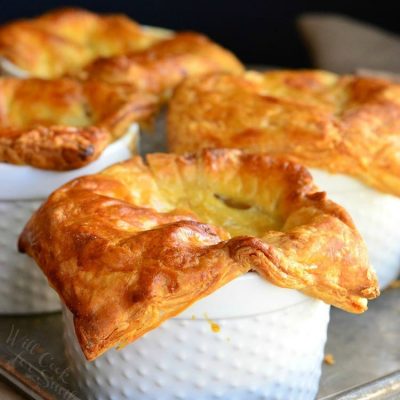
<point>64,124</point>
<point>161,67</point>
<point>345,124</point>
<point>138,243</point>
<point>66,40</point>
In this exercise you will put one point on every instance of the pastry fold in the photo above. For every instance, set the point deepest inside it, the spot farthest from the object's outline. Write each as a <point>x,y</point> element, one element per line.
<point>347,124</point>
<point>164,65</point>
<point>130,247</point>
<point>65,40</point>
<point>64,123</point>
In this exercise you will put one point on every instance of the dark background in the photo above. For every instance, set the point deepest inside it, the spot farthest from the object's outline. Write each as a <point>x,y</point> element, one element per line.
<point>260,32</point>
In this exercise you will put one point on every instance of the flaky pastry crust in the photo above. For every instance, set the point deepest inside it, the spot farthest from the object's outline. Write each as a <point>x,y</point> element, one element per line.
<point>161,67</point>
<point>138,243</point>
<point>64,124</point>
<point>65,40</point>
<point>346,124</point>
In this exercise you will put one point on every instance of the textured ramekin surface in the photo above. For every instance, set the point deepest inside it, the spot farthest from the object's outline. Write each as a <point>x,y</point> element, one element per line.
<point>275,354</point>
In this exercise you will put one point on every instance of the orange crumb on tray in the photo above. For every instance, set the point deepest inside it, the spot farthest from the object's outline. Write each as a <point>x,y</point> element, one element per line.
<point>395,284</point>
<point>328,359</point>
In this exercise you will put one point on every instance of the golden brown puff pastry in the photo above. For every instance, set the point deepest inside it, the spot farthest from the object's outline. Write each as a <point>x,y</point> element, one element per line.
<point>65,123</point>
<point>65,40</point>
<point>138,243</point>
<point>162,66</point>
<point>343,124</point>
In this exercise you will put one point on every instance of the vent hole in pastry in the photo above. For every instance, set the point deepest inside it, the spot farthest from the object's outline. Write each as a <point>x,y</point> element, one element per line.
<point>232,203</point>
<point>88,111</point>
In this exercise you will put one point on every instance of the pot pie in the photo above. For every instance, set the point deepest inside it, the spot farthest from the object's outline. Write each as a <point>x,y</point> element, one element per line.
<point>64,123</point>
<point>132,246</point>
<point>65,40</point>
<point>347,124</point>
<point>164,65</point>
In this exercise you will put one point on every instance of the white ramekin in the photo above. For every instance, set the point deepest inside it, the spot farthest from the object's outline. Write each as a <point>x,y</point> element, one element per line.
<point>248,340</point>
<point>376,216</point>
<point>23,287</point>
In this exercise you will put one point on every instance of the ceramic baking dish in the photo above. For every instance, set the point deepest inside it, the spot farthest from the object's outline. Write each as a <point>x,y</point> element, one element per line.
<point>23,287</point>
<point>229,345</point>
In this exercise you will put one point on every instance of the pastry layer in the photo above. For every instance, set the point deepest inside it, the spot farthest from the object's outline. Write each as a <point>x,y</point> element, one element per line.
<point>161,67</point>
<point>64,123</point>
<point>65,40</point>
<point>138,243</point>
<point>346,124</point>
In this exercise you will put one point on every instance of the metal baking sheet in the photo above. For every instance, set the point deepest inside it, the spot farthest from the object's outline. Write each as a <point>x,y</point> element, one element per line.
<point>385,388</point>
<point>366,348</point>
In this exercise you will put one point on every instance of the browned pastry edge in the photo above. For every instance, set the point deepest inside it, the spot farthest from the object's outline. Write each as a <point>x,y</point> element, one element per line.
<point>346,124</point>
<point>101,113</point>
<point>55,148</point>
<point>129,248</point>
